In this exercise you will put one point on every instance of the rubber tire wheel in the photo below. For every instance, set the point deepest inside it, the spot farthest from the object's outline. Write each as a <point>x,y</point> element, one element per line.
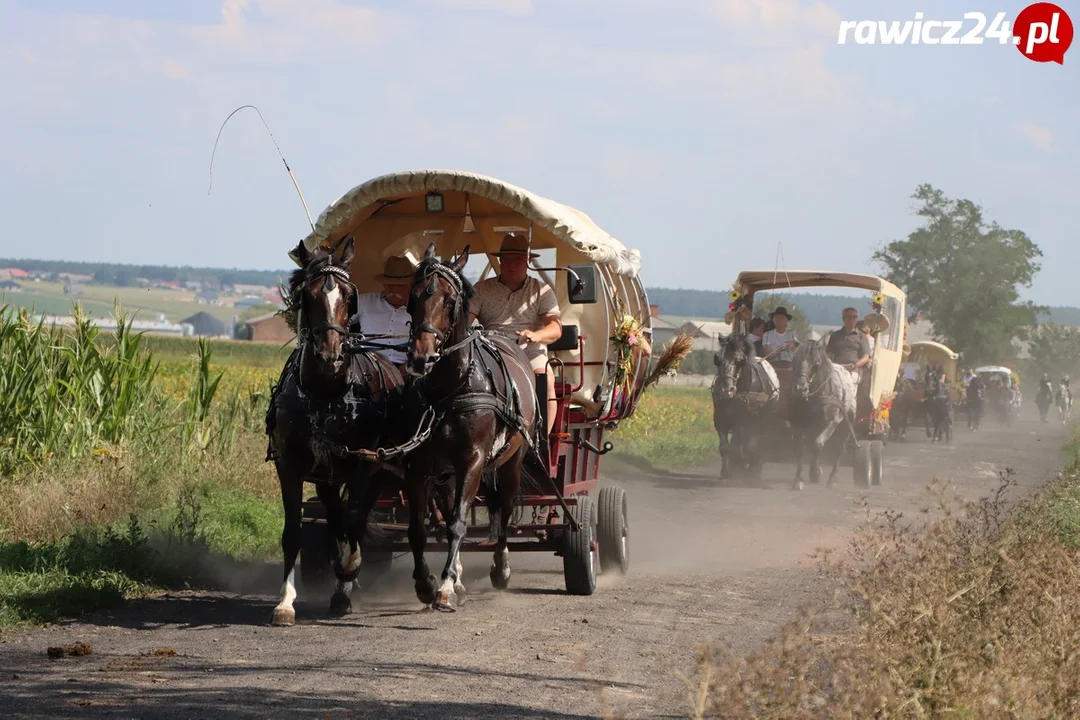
<point>860,469</point>
<point>316,572</point>
<point>877,462</point>
<point>613,531</point>
<point>580,562</point>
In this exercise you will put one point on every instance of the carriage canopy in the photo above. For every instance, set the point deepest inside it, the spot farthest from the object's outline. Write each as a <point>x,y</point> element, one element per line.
<point>1007,376</point>
<point>935,353</point>
<point>401,213</point>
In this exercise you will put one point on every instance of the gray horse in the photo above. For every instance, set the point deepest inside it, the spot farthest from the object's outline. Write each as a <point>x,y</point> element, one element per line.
<point>822,397</point>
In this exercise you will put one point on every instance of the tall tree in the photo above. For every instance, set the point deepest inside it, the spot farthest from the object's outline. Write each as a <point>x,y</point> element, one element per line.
<point>965,276</point>
<point>1055,349</point>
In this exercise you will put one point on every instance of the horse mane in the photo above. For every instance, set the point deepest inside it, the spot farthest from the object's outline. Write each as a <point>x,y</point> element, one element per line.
<point>809,351</point>
<point>467,290</point>
<point>290,296</point>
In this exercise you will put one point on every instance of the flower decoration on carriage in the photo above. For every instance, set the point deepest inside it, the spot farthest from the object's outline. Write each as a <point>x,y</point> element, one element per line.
<point>627,336</point>
<point>878,302</point>
<point>738,300</point>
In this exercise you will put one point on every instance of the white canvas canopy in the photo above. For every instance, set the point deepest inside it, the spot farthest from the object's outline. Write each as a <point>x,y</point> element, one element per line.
<point>399,214</point>
<point>394,204</point>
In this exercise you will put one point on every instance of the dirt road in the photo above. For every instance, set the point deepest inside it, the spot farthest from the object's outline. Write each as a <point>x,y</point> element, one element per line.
<point>708,564</point>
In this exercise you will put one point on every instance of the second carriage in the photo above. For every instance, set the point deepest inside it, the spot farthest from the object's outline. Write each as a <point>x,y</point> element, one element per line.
<point>886,320</point>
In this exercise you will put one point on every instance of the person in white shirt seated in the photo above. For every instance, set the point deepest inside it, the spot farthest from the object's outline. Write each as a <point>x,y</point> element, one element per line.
<point>385,313</point>
<point>909,372</point>
<point>780,342</point>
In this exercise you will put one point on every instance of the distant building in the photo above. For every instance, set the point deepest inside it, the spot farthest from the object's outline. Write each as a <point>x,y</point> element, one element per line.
<point>208,297</point>
<point>706,333</point>
<point>17,274</point>
<point>267,328</point>
<point>248,302</point>
<point>9,285</point>
<point>153,327</point>
<point>663,331</point>
<point>203,324</point>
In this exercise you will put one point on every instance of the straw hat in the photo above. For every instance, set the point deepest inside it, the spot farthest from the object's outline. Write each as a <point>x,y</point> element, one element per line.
<point>513,244</point>
<point>876,323</point>
<point>398,270</point>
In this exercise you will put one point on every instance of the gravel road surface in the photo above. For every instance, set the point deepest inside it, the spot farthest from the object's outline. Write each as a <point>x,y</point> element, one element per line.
<point>709,564</point>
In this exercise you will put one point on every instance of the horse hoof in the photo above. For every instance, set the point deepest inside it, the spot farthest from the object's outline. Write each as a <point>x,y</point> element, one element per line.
<point>460,594</point>
<point>340,605</point>
<point>798,485</point>
<point>444,602</point>
<point>284,617</point>
<point>425,593</point>
<point>497,580</point>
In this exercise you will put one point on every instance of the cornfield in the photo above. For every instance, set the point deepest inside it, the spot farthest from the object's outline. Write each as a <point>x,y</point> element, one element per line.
<point>71,392</point>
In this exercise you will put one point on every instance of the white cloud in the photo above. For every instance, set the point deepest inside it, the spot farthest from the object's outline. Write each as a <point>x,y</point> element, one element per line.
<point>510,7</point>
<point>778,16</point>
<point>1039,136</point>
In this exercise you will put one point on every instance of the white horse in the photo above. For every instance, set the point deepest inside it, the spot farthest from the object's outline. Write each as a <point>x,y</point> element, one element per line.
<point>1063,399</point>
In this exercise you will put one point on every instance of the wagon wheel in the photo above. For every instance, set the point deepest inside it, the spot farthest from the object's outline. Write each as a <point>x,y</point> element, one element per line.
<point>613,531</point>
<point>580,561</point>
<point>861,468</point>
<point>877,462</point>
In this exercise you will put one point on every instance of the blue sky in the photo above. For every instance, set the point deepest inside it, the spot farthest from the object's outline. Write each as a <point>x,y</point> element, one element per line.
<point>701,132</point>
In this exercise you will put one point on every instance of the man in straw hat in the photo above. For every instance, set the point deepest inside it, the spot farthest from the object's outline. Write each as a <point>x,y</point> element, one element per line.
<point>384,313</point>
<point>522,307</point>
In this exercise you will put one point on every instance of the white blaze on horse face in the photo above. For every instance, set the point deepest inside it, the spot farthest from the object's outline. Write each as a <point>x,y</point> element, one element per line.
<point>288,592</point>
<point>332,299</point>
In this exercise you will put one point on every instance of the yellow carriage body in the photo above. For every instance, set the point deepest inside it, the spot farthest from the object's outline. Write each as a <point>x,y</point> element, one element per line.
<point>932,353</point>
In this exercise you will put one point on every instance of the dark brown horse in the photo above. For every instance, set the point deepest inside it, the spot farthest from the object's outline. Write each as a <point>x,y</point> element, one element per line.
<point>332,399</point>
<point>480,389</point>
<point>744,405</point>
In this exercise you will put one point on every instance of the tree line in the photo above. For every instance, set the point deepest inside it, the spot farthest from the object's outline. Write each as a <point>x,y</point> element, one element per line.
<point>126,275</point>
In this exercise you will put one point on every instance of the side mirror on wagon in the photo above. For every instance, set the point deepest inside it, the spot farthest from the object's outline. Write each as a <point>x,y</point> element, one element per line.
<point>581,284</point>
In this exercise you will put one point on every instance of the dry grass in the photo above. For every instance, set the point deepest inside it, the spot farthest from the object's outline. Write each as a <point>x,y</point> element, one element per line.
<point>974,613</point>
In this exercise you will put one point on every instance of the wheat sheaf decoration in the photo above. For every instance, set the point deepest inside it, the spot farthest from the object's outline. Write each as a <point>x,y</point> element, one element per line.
<point>675,351</point>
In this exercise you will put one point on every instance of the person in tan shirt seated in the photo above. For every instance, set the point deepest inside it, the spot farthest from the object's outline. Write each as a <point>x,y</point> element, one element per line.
<point>522,307</point>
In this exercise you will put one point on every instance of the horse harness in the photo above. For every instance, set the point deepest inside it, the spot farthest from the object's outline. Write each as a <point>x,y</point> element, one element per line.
<point>352,402</point>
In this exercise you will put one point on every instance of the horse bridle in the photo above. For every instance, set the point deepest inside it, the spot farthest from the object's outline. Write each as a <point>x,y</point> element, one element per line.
<point>435,271</point>
<point>307,333</point>
<point>733,375</point>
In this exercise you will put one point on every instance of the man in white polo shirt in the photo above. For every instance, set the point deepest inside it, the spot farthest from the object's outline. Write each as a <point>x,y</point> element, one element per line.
<point>521,307</point>
<point>384,313</point>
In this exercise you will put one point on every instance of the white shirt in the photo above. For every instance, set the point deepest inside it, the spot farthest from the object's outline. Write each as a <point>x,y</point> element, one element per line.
<point>378,317</point>
<point>774,339</point>
<point>911,371</point>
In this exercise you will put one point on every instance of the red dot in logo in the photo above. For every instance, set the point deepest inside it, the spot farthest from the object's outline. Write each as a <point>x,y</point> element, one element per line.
<point>1043,32</point>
